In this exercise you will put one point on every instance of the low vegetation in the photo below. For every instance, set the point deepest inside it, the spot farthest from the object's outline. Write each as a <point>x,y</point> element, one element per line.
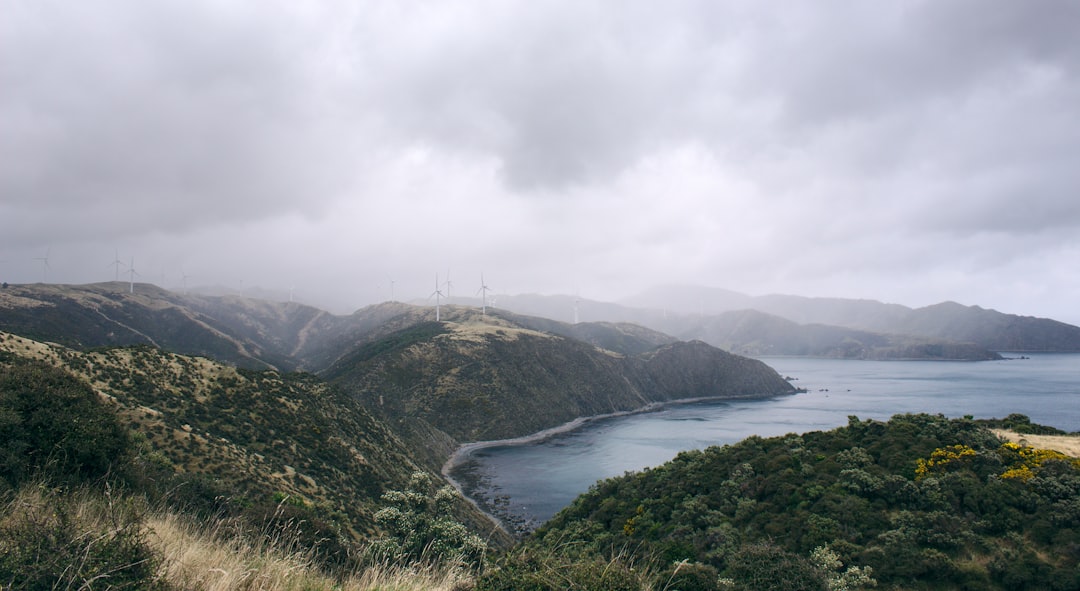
<point>83,505</point>
<point>918,502</point>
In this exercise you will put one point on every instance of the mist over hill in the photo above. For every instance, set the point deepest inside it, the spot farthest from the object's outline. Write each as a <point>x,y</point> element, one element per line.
<point>820,327</point>
<point>287,335</point>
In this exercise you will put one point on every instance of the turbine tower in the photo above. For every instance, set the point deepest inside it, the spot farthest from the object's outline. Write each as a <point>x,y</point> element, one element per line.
<point>131,271</point>
<point>448,284</point>
<point>116,263</point>
<point>44,265</point>
<point>483,290</point>
<point>438,294</point>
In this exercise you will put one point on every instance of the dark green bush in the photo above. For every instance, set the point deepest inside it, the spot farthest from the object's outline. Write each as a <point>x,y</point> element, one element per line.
<point>688,576</point>
<point>54,426</point>
<point>766,567</point>
<point>528,570</point>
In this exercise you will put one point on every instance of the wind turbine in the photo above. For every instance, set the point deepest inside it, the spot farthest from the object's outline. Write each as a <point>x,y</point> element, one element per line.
<point>448,283</point>
<point>483,290</point>
<point>116,263</point>
<point>438,294</point>
<point>183,278</point>
<point>44,265</point>
<point>131,271</point>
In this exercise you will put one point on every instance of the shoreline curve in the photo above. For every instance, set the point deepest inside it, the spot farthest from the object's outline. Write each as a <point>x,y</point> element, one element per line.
<point>464,450</point>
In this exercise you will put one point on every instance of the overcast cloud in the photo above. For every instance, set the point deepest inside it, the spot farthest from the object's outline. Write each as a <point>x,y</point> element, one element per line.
<point>911,152</point>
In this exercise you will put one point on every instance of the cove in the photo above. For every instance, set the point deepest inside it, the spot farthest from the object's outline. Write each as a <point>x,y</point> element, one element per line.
<point>525,484</point>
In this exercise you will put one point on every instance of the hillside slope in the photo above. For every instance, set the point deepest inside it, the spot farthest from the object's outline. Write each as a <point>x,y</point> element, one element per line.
<point>253,437</point>
<point>248,333</point>
<point>474,377</point>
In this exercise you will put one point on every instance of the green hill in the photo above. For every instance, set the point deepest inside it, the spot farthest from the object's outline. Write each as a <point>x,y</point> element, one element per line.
<point>475,378</point>
<point>923,501</point>
<point>248,333</point>
<point>216,433</point>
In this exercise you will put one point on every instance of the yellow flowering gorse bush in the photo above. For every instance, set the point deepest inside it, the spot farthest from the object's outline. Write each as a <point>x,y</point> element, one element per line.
<point>1024,462</point>
<point>941,457</point>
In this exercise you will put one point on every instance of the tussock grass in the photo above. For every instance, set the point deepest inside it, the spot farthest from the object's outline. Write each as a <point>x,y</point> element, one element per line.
<point>83,539</point>
<point>195,556</point>
<point>73,540</point>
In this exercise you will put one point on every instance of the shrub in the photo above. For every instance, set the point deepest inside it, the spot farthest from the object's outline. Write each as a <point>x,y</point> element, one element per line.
<point>541,570</point>
<point>421,527</point>
<point>689,576</point>
<point>53,425</point>
<point>766,567</point>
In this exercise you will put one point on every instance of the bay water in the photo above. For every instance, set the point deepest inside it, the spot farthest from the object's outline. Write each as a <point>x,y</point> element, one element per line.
<point>525,484</point>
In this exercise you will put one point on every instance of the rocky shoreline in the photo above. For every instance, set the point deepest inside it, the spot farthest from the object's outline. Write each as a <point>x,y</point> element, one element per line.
<point>462,454</point>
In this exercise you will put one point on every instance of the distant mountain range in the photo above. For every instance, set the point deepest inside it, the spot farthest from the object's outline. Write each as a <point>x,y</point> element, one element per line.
<point>821,327</point>
<point>284,335</point>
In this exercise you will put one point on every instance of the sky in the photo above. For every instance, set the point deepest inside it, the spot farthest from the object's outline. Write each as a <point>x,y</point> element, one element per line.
<point>348,151</point>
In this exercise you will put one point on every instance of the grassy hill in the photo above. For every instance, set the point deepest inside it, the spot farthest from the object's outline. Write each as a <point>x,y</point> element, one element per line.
<point>474,378</point>
<point>247,333</point>
<point>218,433</point>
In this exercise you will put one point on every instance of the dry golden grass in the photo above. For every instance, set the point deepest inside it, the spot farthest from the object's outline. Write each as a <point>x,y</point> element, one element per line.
<point>1066,444</point>
<point>194,558</point>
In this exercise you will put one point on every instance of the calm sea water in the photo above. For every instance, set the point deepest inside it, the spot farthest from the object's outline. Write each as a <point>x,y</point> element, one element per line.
<point>527,484</point>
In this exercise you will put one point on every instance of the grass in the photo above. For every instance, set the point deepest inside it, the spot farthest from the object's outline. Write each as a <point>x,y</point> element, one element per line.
<point>194,557</point>
<point>107,541</point>
<point>1066,444</point>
